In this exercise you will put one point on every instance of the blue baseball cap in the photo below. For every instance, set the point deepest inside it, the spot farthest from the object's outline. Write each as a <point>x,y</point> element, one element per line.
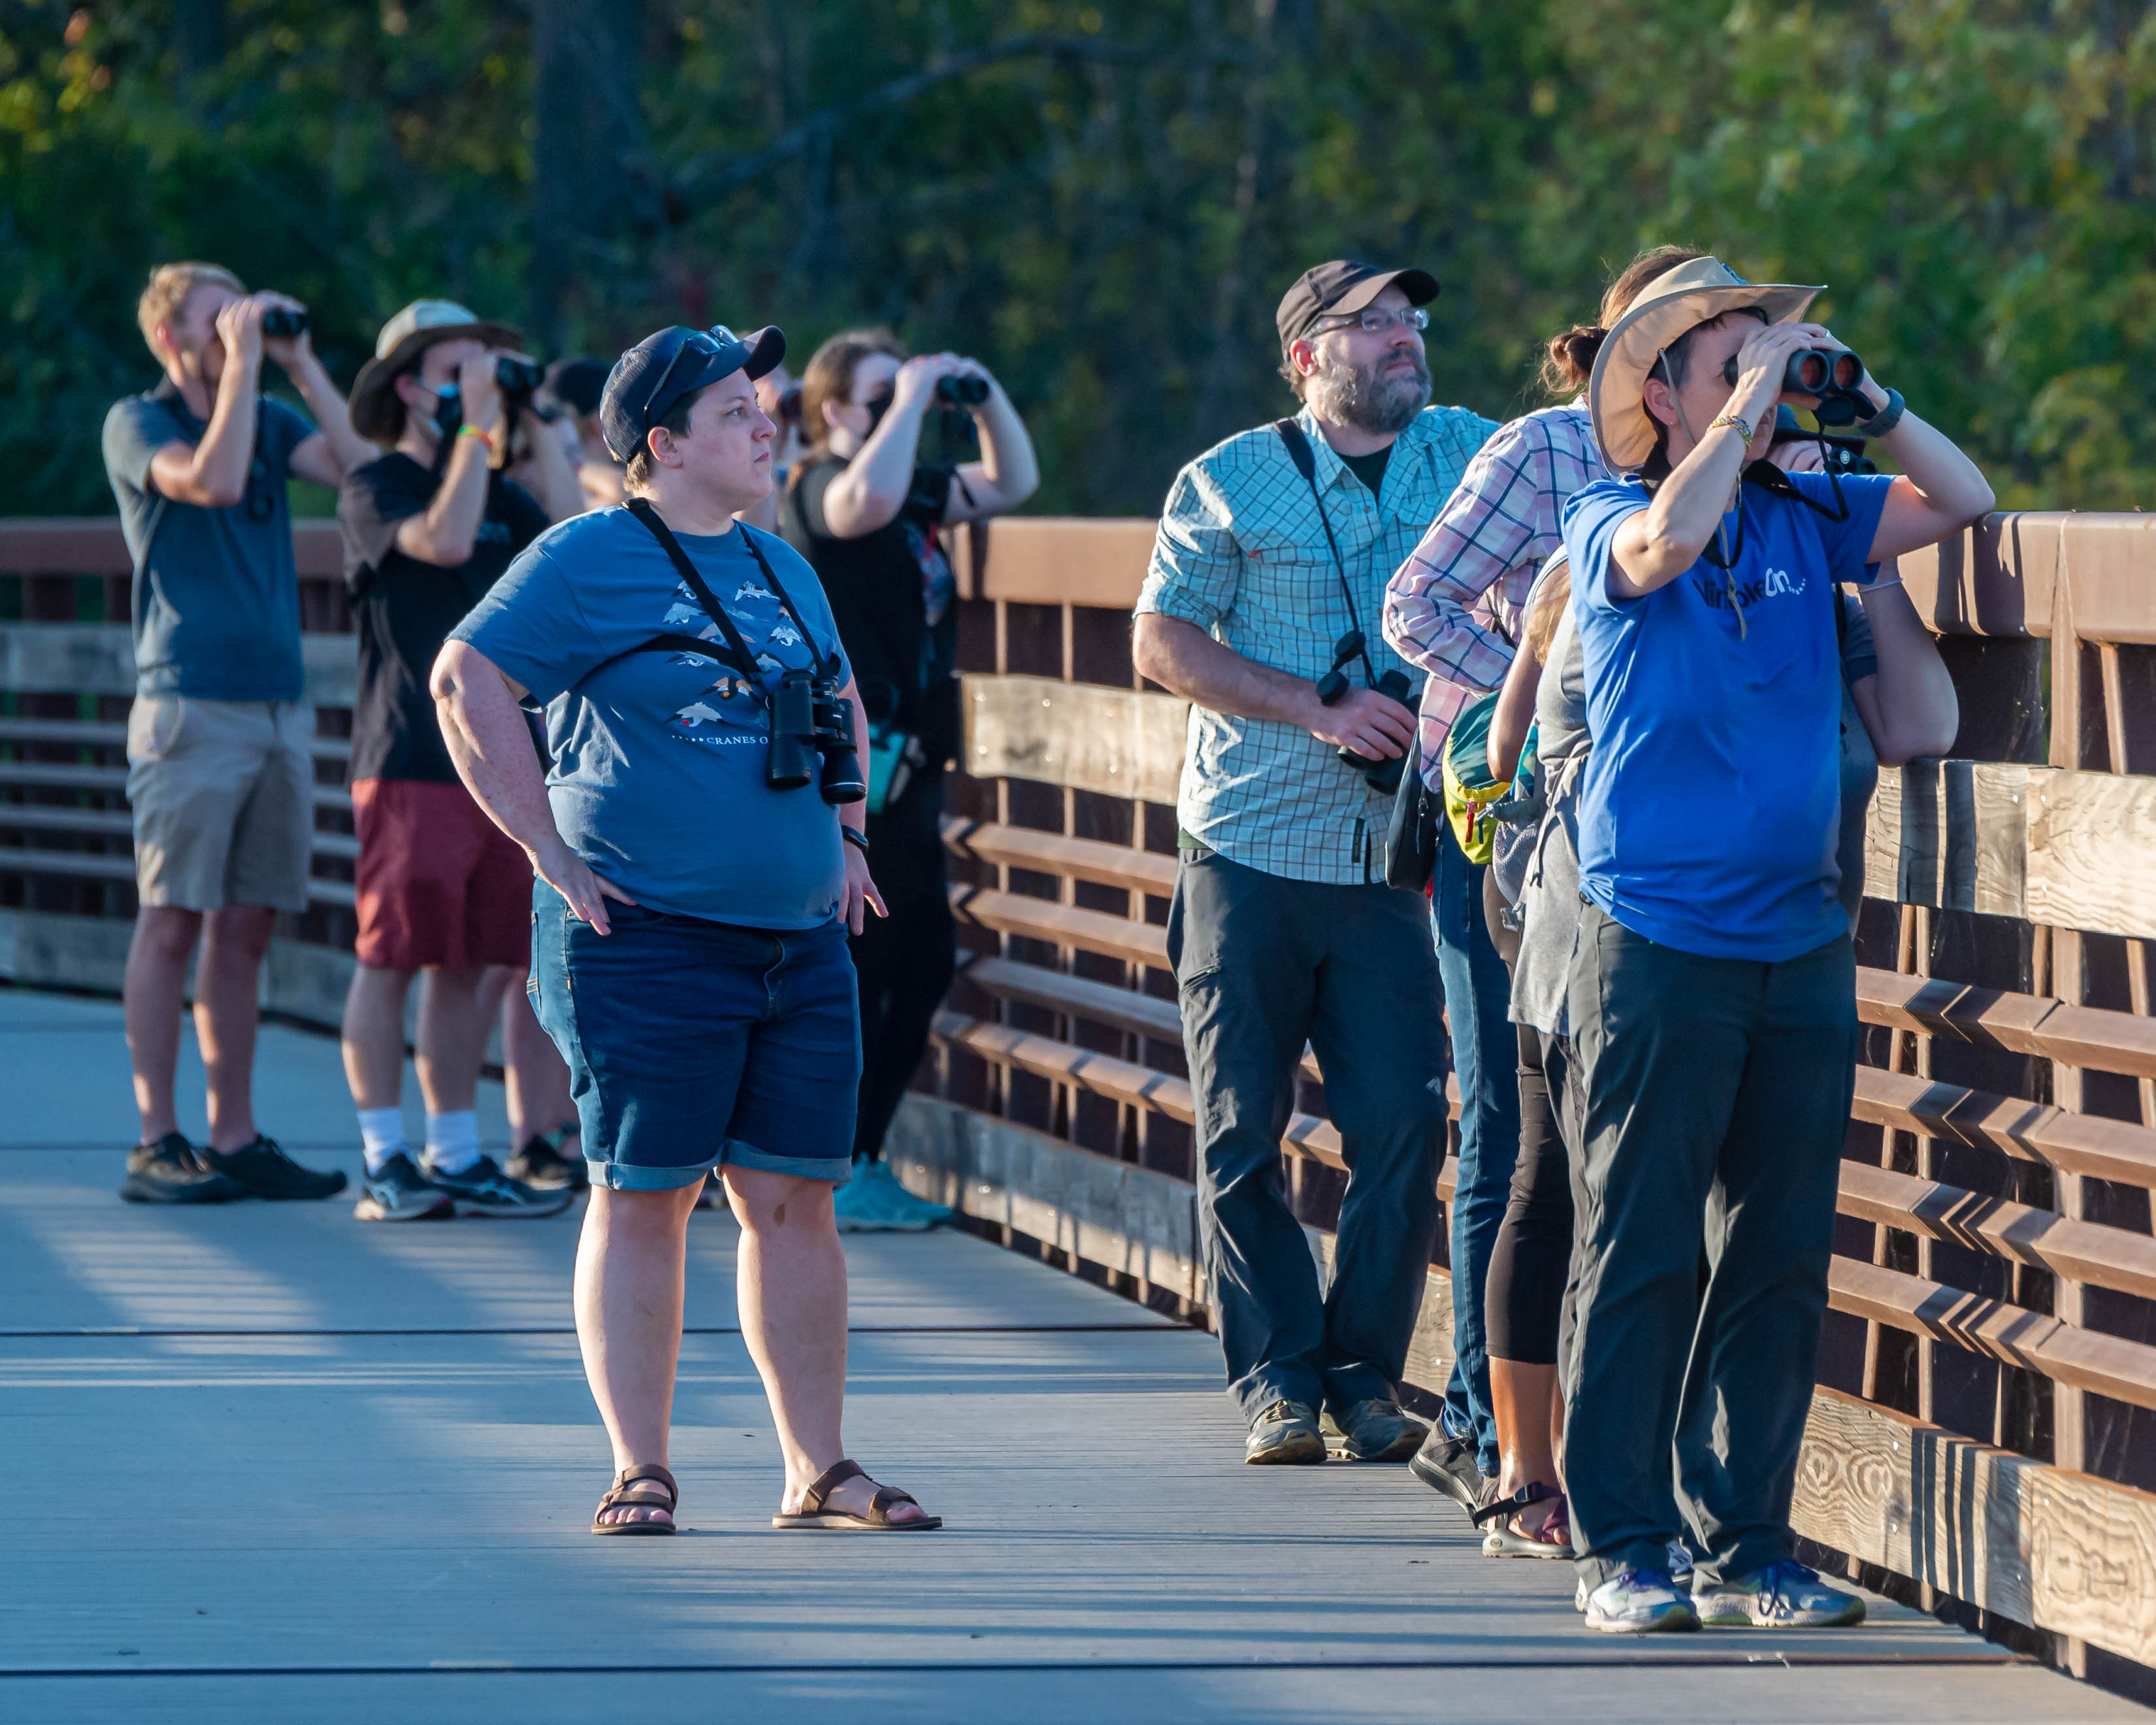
<point>663,368</point>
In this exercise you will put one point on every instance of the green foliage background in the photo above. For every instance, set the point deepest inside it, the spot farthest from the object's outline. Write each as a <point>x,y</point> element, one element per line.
<point>1103,201</point>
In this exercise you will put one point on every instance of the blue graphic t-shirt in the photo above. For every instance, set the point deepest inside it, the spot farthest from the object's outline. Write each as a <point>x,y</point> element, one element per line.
<point>657,780</point>
<point>1710,806</point>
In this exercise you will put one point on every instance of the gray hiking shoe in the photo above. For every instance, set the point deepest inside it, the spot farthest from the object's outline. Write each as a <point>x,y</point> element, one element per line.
<point>1285,1432</point>
<point>1447,1464</point>
<point>1639,1602</point>
<point>1783,1595</point>
<point>1378,1431</point>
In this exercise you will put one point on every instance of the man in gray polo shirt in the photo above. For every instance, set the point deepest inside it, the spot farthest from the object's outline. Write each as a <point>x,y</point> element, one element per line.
<point>219,769</point>
<point>1283,929</point>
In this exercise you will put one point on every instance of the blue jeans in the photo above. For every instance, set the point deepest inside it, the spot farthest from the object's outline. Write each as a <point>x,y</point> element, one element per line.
<point>690,1043</point>
<point>1478,993</point>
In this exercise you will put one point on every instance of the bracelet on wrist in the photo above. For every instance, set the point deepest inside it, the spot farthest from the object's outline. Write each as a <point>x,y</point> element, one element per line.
<point>1885,420</point>
<point>1735,424</point>
<point>1872,587</point>
<point>855,837</point>
<point>474,431</point>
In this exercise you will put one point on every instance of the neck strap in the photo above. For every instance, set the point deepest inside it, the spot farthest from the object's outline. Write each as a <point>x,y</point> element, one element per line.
<point>1305,464</point>
<point>641,508</point>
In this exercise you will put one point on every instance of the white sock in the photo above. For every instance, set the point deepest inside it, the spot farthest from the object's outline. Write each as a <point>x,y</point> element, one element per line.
<point>452,1141</point>
<point>382,1130</point>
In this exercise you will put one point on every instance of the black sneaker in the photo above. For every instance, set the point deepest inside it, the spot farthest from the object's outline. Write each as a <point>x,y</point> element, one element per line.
<point>540,1164</point>
<point>262,1170</point>
<point>484,1190</point>
<point>1447,1464</point>
<point>169,1172</point>
<point>401,1193</point>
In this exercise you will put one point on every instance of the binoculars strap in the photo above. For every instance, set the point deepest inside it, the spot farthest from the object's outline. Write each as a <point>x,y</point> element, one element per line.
<point>1305,464</point>
<point>642,510</point>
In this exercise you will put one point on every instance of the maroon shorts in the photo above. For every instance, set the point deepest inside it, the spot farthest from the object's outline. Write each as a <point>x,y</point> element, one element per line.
<point>439,883</point>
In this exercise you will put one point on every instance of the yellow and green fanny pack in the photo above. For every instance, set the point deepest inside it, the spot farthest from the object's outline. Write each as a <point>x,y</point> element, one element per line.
<point>1469,791</point>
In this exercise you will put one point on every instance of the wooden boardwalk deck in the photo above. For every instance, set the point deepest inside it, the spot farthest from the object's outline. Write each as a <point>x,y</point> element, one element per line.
<point>266,1463</point>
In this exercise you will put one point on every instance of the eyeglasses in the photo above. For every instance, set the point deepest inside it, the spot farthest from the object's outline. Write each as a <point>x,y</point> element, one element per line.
<point>706,344</point>
<point>1375,321</point>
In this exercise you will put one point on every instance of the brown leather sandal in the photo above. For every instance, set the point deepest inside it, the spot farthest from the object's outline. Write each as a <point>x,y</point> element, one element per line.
<point>618,1497</point>
<point>878,1520</point>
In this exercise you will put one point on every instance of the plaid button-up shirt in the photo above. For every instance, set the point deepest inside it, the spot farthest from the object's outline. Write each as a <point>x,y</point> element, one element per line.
<point>1241,554</point>
<point>1485,547</point>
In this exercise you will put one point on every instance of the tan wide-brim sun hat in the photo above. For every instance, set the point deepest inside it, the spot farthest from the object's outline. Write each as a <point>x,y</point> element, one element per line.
<point>1687,296</point>
<point>376,414</point>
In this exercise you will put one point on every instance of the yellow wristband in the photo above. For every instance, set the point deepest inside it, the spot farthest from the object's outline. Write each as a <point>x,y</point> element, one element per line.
<point>474,431</point>
<point>1734,424</point>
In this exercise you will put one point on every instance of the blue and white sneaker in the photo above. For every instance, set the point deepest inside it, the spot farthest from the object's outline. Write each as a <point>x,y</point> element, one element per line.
<point>1680,1563</point>
<point>398,1191</point>
<point>484,1190</point>
<point>1639,1602</point>
<point>1783,1595</point>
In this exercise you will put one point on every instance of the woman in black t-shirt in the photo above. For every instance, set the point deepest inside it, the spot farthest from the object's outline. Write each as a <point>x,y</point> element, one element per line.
<point>871,518</point>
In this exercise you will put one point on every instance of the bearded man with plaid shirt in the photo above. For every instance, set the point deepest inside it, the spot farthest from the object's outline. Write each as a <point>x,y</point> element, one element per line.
<point>1282,930</point>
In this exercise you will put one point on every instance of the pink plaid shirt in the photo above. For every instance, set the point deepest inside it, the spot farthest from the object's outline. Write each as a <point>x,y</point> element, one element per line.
<point>1480,556</point>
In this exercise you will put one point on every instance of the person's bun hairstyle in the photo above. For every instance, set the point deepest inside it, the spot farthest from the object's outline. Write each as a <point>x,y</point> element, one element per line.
<point>1568,358</point>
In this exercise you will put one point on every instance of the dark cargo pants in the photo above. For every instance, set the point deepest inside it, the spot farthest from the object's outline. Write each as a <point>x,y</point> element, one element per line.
<point>1715,1096</point>
<point>1262,964</point>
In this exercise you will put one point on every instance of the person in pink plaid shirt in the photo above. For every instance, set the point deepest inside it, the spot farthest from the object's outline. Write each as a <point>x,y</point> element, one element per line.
<point>1443,608</point>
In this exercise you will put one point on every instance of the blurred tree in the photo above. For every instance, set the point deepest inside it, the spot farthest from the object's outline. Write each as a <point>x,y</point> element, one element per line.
<point>1102,199</point>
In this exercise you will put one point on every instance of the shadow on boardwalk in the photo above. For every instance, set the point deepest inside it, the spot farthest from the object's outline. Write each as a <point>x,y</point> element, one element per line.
<point>268,1463</point>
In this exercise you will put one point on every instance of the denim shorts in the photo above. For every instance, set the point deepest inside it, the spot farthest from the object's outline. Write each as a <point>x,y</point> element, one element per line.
<point>692,1044</point>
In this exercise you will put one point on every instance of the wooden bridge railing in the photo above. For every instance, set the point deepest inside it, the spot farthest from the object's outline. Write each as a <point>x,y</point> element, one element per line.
<point>1985,1424</point>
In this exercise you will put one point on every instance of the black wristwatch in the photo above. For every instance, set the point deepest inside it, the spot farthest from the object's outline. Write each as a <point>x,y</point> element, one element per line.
<point>859,839</point>
<point>1885,420</point>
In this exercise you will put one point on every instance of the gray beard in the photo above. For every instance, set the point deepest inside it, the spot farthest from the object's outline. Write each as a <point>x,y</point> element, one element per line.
<point>1353,395</point>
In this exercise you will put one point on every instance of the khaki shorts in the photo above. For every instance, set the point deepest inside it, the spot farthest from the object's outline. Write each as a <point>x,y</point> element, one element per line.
<point>223,799</point>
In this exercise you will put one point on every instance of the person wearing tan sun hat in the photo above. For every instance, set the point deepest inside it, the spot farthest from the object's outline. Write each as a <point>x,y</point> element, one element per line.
<point>1712,990</point>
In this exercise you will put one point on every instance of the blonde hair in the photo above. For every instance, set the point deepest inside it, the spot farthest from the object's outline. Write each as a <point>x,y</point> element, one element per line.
<point>166,295</point>
<point>1568,358</point>
<point>1545,611</point>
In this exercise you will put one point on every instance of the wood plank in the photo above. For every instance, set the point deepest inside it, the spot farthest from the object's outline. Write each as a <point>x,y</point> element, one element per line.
<point>1062,560</point>
<point>98,658</point>
<point>2104,1257</point>
<point>1053,854</point>
<point>94,544</point>
<point>2037,1544</point>
<point>2029,1131</point>
<point>1951,834</point>
<point>2085,1359</point>
<point>1121,742</point>
<point>1063,925</point>
<point>2091,858</point>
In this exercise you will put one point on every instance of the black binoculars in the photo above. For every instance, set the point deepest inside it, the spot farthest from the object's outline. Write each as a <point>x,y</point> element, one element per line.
<point>280,322</point>
<point>809,719</point>
<point>1382,776</point>
<point>961,392</point>
<point>518,377</point>
<point>1832,374</point>
<point>1332,688</point>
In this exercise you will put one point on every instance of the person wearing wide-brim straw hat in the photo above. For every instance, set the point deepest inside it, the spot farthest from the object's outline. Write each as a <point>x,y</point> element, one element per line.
<point>377,411</point>
<point>1712,987</point>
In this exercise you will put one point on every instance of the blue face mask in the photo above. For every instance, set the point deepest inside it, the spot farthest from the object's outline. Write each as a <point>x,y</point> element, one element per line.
<point>448,411</point>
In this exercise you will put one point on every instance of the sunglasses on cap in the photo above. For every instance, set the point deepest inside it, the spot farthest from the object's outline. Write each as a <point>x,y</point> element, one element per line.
<point>704,344</point>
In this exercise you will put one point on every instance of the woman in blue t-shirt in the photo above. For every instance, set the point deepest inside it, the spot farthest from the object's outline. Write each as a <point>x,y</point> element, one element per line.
<point>689,919</point>
<point>1711,991</point>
